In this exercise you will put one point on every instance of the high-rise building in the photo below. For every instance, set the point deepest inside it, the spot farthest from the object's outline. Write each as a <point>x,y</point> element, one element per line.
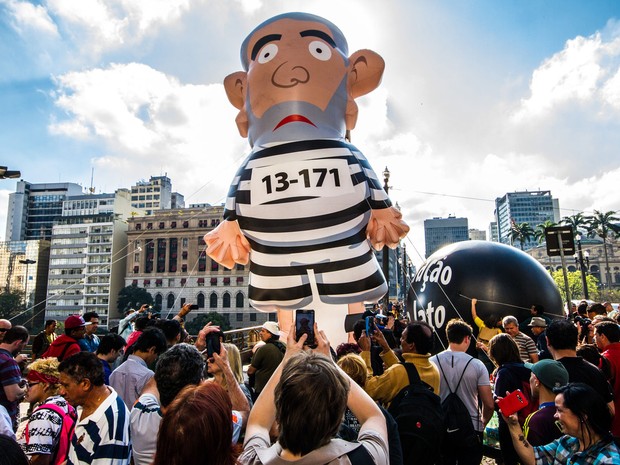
<point>23,267</point>
<point>33,208</point>
<point>533,207</point>
<point>443,231</point>
<point>155,194</point>
<point>493,237</point>
<point>88,255</point>
<point>167,258</point>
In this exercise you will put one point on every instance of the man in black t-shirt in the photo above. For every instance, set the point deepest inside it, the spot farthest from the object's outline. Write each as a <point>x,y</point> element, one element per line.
<point>562,341</point>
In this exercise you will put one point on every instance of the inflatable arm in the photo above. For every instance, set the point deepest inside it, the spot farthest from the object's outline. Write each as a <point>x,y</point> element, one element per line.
<point>227,245</point>
<point>386,227</point>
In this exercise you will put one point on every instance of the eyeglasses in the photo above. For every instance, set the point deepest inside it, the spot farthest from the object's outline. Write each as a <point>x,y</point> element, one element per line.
<point>30,384</point>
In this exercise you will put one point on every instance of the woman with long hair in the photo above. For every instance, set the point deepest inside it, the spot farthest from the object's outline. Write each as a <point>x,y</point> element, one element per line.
<point>196,428</point>
<point>231,352</point>
<point>586,421</point>
<point>510,375</point>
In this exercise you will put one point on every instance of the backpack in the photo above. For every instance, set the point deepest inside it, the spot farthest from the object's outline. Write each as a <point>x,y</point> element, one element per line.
<point>59,456</point>
<point>417,411</point>
<point>460,431</point>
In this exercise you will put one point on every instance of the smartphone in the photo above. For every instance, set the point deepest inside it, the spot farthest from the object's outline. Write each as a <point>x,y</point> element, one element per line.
<point>213,344</point>
<point>304,324</point>
<point>370,326</point>
<point>193,307</point>
<point>513,402</point>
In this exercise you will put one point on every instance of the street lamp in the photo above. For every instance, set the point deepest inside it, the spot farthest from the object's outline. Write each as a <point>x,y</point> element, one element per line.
<point>386,250</point>
<point>582,267</point>
<point>27,262</point>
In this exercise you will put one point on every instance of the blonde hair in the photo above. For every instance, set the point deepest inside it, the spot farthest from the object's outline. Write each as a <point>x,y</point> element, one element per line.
<point>47,366</point>
<point>354,366</point>
<point>234,360</point>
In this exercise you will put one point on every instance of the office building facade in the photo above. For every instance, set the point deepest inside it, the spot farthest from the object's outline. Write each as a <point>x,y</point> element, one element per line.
<point>168,260</point>
<point>33,208</point>
<point>533,207</point>
<point>439,232</point>
<point>155,194</point>
<point>88,256</point>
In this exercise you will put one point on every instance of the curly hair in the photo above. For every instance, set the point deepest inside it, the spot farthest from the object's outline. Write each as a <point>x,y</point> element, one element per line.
<point>47,366</point>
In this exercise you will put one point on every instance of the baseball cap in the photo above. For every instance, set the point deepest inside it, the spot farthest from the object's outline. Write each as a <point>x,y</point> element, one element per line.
<point>538,322</point>
<point>272,327</point>
<point>550,372</point>
<point>75,321</point>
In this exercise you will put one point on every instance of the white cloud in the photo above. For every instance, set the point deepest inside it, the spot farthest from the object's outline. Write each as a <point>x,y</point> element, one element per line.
<point>585,71</point>
<point>151,123</point>
<point>31,18</point>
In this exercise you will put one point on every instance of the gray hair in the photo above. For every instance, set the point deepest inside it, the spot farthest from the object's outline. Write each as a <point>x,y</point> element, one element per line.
<point>509,320</point>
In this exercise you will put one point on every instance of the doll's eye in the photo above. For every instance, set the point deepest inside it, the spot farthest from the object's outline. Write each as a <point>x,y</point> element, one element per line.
<point>267,53</point>
<point>320,50</point>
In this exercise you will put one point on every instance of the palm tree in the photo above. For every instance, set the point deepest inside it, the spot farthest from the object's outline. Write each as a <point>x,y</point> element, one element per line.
<point>575,221</point>
<point>602,225</point>
<point>522,232</point>
<point>539,233</point>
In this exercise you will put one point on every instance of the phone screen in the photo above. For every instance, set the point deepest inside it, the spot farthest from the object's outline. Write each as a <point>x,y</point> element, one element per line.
<point>304,324</point>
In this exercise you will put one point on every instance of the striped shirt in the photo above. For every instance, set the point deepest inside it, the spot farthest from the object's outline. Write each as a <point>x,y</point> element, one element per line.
<point>526,346</point>
<point>102,438</point>
<point>304,207</point>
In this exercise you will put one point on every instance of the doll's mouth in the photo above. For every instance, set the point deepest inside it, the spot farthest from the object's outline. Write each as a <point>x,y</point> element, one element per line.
<point>293,119</point>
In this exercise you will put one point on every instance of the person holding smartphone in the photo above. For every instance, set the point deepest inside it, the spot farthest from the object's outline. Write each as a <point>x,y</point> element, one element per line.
<point>310,394</point>
<point>268,357</point>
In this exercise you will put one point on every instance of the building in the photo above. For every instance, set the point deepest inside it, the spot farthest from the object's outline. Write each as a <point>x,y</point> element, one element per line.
<point>33,208</point>
<point>477,235</point>
<point>439,232</point>
<point>493,237</point>
<point>167,258</point>
<point>533,207</point>
<point>156,194</point>
<point>88,255</point>
<point>24,267</point>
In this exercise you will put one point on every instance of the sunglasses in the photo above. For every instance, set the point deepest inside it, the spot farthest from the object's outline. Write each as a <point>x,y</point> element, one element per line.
<point>33,384</point>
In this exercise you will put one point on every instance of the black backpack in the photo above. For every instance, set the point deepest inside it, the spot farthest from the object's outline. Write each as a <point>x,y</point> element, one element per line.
<point>460,431</point>
<point>417,411</point>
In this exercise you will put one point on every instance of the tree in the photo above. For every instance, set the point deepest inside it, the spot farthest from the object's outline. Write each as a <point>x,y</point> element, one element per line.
<point>195,325</point>
<point>575,221</point>
<point>539,234</point>
<point>575,285</point>
<point>11,303</point>
<point>133,297</point>
<point>603,225</point>
<point>521,232</point>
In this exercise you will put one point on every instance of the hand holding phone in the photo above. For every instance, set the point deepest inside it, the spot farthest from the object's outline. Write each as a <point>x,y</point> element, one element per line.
<point>512,403</point>
<point>304,324</point>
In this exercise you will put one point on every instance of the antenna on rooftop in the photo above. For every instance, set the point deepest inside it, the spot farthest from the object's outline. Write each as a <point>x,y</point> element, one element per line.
<point>91,189</point>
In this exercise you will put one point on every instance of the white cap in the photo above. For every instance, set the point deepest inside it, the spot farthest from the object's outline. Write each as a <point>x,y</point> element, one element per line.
<point>272,327</point>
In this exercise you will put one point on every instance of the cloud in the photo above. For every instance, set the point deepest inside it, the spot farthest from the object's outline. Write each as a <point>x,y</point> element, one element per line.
<point>149,123</point>
<point>585,71</point>
<point>27,17</point>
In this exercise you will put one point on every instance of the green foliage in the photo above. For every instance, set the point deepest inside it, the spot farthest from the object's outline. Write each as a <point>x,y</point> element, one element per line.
<point>195,325</point>
<point>521,232</point>
<point>575,285</point>
<point>575,221</point>
<point>11,303</point>
<point>133,297</point>
<point>539,234</point>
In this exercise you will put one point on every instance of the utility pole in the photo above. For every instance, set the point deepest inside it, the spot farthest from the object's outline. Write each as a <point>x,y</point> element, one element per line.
<point>386,249</point>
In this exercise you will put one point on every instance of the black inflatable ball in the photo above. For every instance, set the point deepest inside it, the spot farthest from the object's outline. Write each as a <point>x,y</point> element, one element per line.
<point>505,280</point>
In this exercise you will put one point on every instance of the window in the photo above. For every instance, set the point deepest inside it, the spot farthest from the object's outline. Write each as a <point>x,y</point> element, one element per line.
<point>161,225</point>
<point>273,316</point>
<point>226,300</point>
<point>136,269</point>
<point>213,300</point>
<point>202,261</point>
<point>184,254</point>
<point>239,279</point>
<point>149,225</point>
<point>138,226</point>
<point>186,224</point>
<point>184,268</point>
<point>252,316</point>
<point>184,241</point>
<point>239,300</point>
<point>239,316</point>
<point>173,224</point>
<point>240,267</point>
<point>158,300</point>
<point>214,265</point>
<point>226,281</point>
<point>201,281</point>
<point>183,281</point>
<point>147,282</point>
<point>200,300</point>
<point>159,282</point>
<point>134,282</point>
<point>170,301</point>
<point>213,281</point>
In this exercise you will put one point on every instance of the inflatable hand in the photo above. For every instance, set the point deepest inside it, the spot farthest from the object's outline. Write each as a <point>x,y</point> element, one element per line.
<point>227,245</point>
<point>386,227</point>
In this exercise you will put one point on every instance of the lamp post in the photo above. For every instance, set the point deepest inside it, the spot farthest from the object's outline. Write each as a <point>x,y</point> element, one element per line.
<point>582,267</point>
<point>27,262</point>
<point>386,250</point>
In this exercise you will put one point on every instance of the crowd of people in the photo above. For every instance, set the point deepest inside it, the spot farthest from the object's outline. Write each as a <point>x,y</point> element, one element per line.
<point>149,394</point>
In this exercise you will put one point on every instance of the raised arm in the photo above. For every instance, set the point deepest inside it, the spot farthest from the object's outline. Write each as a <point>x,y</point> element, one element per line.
<point>474,315</point>
<point>521,445</point>
<point>386,227</point>
<point>237,397</point>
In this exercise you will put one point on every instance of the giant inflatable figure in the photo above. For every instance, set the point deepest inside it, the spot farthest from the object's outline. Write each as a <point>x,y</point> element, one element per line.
<point>305,206</point>
<point>505,280</point>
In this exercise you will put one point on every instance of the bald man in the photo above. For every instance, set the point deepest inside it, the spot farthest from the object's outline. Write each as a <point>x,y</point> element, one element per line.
<point>5,325</point>
<point>304,201</point>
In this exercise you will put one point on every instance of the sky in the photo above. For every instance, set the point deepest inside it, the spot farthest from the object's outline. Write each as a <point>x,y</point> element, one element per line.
<point>478,98</point>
